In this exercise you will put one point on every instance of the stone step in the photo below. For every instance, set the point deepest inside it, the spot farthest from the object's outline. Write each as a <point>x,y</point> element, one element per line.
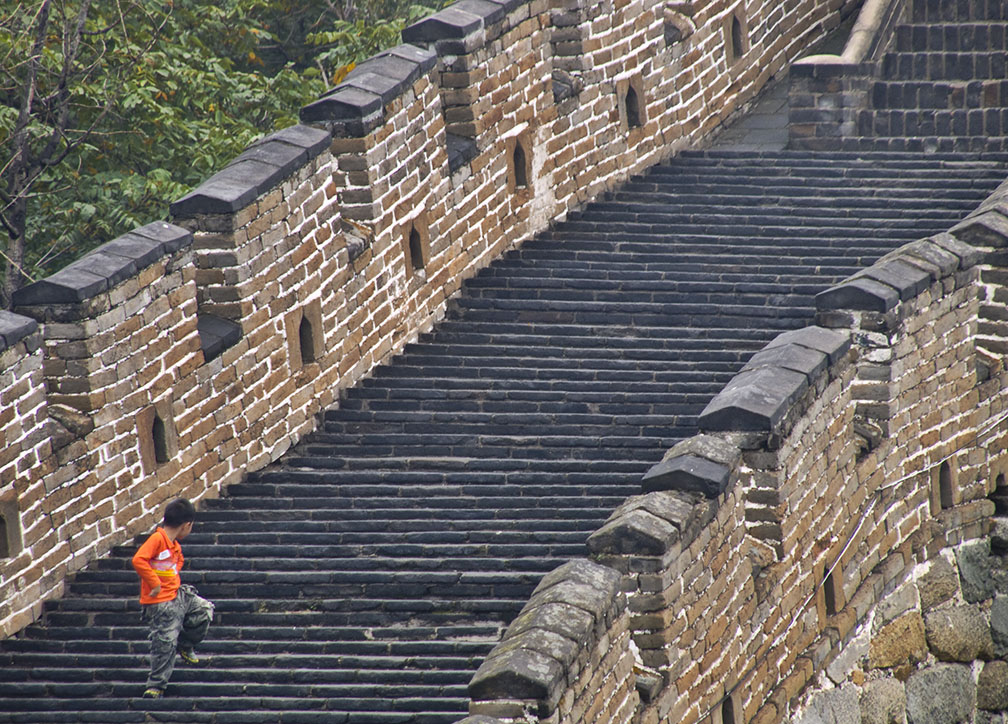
<point>958,37</point>
<point>927,11</point>
<point>851,159</point>
<point>340,644</point>
<point>182,707</point>
<point>926,143</point>
<point>950,97</point>
<point>953,126</point>
<point>974,65</point>
<point>363,577</point>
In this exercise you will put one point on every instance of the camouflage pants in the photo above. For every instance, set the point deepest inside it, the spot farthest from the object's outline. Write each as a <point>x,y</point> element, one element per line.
<point>180,623</point>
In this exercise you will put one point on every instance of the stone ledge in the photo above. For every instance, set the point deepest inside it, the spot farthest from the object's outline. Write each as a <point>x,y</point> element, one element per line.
<point>103,268</point>
<point>535,661</point>
<point>14,328</point>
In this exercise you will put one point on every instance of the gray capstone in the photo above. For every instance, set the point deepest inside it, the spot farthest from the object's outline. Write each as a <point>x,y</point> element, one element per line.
<point>833,706</point>
<point>883,701</point>
<point>973,560</point>
<point>941,694</point>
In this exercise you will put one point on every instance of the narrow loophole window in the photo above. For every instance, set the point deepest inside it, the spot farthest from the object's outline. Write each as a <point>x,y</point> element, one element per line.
<point>633,114</point>
<point>306,340</point>
<point>415,249</point>
<point>727,711</point>
<point>737,46</point>
<point>5,551</point>
<point>160,437</point>
<point>945,486</point>
<point>829,592</point>
<point>521,179</point>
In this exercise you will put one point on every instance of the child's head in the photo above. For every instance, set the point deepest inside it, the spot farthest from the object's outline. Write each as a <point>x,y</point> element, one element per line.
<point>179,512</point>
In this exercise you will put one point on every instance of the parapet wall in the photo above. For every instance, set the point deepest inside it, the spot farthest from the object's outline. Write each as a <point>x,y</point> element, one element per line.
<point>838,459</point>
<point>179,357</point>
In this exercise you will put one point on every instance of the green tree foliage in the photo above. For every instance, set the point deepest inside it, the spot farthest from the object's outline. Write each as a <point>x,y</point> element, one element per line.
<point>110,110</point>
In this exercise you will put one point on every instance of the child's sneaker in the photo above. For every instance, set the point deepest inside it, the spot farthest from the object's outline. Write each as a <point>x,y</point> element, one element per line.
<point>153,693</point>
<point>189,656</point>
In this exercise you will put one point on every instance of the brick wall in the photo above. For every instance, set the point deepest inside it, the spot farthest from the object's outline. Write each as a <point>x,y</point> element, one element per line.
<point>842,456</point>
<point>181,356</point>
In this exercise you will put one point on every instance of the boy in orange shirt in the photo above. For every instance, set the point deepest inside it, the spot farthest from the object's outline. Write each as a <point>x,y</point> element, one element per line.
<point>178,618</point>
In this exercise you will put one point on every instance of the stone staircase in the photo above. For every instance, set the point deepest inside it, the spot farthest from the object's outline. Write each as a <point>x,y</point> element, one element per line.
<point>364,577</point>
<point>944,84</point>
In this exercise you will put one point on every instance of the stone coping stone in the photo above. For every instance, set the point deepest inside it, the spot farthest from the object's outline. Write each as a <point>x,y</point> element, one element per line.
<point>652,523</point>
<point>831,342</point>
<point>858,294</point>
<point>688,472</point>
<point>569,609</point>
<point>101,269</point>
<point>755,400</point>
<point>907,279</point>
<point>356,106</point>
<point>14,328</point>
<point>261,167</point>
<point>451,23</point>
<point>797,358</point>
<point>985,228</point>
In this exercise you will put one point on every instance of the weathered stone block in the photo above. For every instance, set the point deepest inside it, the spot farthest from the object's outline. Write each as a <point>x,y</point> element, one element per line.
<point>939,584</point>
<point>900,642</point>
<point>883,701</point>
<point>959,633</point>
<point>992,686</point>
<point>832,706</point>
<point>973,560</point>
<point>941,694</point>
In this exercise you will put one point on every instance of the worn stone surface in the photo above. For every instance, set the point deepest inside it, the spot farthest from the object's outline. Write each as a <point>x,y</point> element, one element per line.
<point>992,686</point>
<point>973,560</point>
<point>833,706</point>
<point>959,633</point>
<point>941,694</point>
<point>899,642</point>
<point>999,624</point>
<point>939,584</point>
<point>883,701</point>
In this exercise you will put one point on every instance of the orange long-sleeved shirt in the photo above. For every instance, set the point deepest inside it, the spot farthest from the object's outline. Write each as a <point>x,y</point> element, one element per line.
<point>158,562</point>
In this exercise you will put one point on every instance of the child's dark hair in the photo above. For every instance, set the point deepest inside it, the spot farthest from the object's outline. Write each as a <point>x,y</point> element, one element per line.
<point>179,512</point>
